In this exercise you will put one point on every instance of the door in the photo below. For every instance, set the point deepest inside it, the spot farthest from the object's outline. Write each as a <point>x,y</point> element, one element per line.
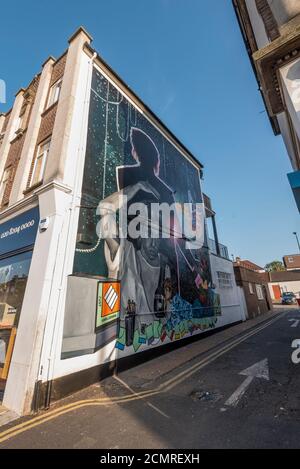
<point>276,292</point>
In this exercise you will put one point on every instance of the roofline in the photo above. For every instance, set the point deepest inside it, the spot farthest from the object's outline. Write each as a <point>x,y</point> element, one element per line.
<point>91,51</point>
<point>273,119</point>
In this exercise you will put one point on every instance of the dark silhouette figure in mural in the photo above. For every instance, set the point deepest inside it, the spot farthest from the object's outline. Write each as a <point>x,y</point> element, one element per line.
<point>147,168</point>
<point>166,285</point>
<point>147,157</point>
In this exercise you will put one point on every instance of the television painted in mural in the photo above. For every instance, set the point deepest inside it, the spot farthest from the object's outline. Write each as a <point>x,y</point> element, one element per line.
<point>156,286</point>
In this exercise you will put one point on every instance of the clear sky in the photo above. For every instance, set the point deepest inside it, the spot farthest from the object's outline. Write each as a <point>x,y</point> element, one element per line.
<point>186,60</point>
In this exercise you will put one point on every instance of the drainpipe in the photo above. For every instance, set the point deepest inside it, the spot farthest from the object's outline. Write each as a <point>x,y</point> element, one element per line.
<point>216,235</point>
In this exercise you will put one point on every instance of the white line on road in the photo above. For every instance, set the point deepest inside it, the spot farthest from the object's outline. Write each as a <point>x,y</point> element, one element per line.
<point>295,322</point>
<point>136,394</point>
<point>236,396</point>
<point>259,370</point>
<point>188,372</point>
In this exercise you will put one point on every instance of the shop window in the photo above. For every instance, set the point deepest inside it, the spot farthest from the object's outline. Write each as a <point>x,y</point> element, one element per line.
<point>259,292</point>
<point>40,162</point>
<point>13,279</point>
<point>4,182</point>
<point>54,93</point>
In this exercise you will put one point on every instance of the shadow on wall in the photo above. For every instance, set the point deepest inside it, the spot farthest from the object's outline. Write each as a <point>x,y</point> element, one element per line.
<point>284,10</point>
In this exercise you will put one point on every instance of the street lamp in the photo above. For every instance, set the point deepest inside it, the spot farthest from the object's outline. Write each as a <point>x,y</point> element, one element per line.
<point>297,239</point>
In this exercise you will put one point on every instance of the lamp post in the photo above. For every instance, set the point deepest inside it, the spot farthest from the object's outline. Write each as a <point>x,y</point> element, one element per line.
<point>297,239</point>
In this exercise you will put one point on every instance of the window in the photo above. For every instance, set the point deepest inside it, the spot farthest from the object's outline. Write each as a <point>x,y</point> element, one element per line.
<point>40,162</point>
<point>54,93</point>
<point>259,292</point>
<point>20,125</point>
<point>251,288</point>
<point>4,182</point>
<point>224,279</point>
<point>13,279</point>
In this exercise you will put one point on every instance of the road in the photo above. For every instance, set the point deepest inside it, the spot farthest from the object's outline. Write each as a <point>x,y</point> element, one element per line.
<point>193,397</point>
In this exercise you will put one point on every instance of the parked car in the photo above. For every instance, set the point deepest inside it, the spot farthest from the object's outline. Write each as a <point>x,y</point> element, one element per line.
<point>288,298</point>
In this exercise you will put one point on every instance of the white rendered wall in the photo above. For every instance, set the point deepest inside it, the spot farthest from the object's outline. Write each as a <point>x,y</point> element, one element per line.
<point>233,310</point>
<point>257,24</point>
<point>286,130</point>
<point>290,77</point>
<point>233,307</point>
<point>42,311</point>
<point>284,10</point>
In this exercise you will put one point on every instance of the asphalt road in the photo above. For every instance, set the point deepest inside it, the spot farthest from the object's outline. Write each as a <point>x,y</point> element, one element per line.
<point>185,400</point>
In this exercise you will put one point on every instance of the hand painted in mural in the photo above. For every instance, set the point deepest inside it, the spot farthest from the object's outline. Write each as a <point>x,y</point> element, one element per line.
<point>136,263</point>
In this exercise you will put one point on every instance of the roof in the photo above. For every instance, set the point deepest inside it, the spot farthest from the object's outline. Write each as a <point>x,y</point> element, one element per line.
<point>285,276</point>
<point>248,265</point>
<point>249,39</point>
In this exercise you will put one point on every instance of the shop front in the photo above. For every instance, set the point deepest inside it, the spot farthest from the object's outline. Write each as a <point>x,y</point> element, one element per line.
<point>17,238</point>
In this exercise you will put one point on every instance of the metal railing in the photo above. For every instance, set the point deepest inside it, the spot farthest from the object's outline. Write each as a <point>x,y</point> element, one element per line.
<point>223,249</point>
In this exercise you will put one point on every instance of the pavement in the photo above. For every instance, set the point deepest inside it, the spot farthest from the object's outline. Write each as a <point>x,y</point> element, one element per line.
<point>236,389</point>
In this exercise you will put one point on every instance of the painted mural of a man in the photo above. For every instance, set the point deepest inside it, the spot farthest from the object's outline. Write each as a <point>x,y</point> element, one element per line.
<point>136,263</point>
<point>147,168</point>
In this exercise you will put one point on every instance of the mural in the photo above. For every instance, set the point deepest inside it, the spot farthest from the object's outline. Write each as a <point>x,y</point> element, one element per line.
<point>166,287</point>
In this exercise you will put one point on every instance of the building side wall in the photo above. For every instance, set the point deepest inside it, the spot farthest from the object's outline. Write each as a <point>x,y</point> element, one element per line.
<point>231,302</point>
<point>255,306</point>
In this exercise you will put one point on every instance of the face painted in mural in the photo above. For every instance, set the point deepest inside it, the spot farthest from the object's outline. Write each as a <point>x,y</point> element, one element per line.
<point>166,288</point>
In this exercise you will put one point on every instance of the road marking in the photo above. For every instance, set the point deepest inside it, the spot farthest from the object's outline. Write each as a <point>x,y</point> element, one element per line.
<point>295,322</point>
<point>259,370</point>
<point>212,357</point>
<point>296,353</point>
<point>136,394</point>
<point>107,401</point>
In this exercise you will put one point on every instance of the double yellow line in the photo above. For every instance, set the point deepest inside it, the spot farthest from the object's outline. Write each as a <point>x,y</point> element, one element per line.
<point>108,401</point>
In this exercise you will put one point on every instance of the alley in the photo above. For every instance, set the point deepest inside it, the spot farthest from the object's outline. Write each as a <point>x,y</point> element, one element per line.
<point>240,393</point>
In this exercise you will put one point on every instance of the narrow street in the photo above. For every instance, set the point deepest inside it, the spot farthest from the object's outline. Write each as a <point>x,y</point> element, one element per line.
<point>235,389</point>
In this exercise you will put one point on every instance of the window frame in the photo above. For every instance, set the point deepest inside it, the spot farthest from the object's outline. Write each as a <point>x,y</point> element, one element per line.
<point>251,289</point>
<point>53,99</point>
<point>259,292</point>
<point>225,279</point>
<point>2,187</point>
<point>40,154</point>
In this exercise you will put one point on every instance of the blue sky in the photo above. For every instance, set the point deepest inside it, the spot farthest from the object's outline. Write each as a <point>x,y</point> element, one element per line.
<point>187,61</point>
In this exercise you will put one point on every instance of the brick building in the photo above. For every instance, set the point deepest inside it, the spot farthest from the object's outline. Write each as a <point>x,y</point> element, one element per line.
<point>254,284</point>
<point>283,282</point>
<point>70,308</point>
<point>292,262</point>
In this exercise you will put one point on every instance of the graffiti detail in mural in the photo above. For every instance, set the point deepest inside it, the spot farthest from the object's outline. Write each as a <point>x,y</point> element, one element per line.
<point>166,288</point>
